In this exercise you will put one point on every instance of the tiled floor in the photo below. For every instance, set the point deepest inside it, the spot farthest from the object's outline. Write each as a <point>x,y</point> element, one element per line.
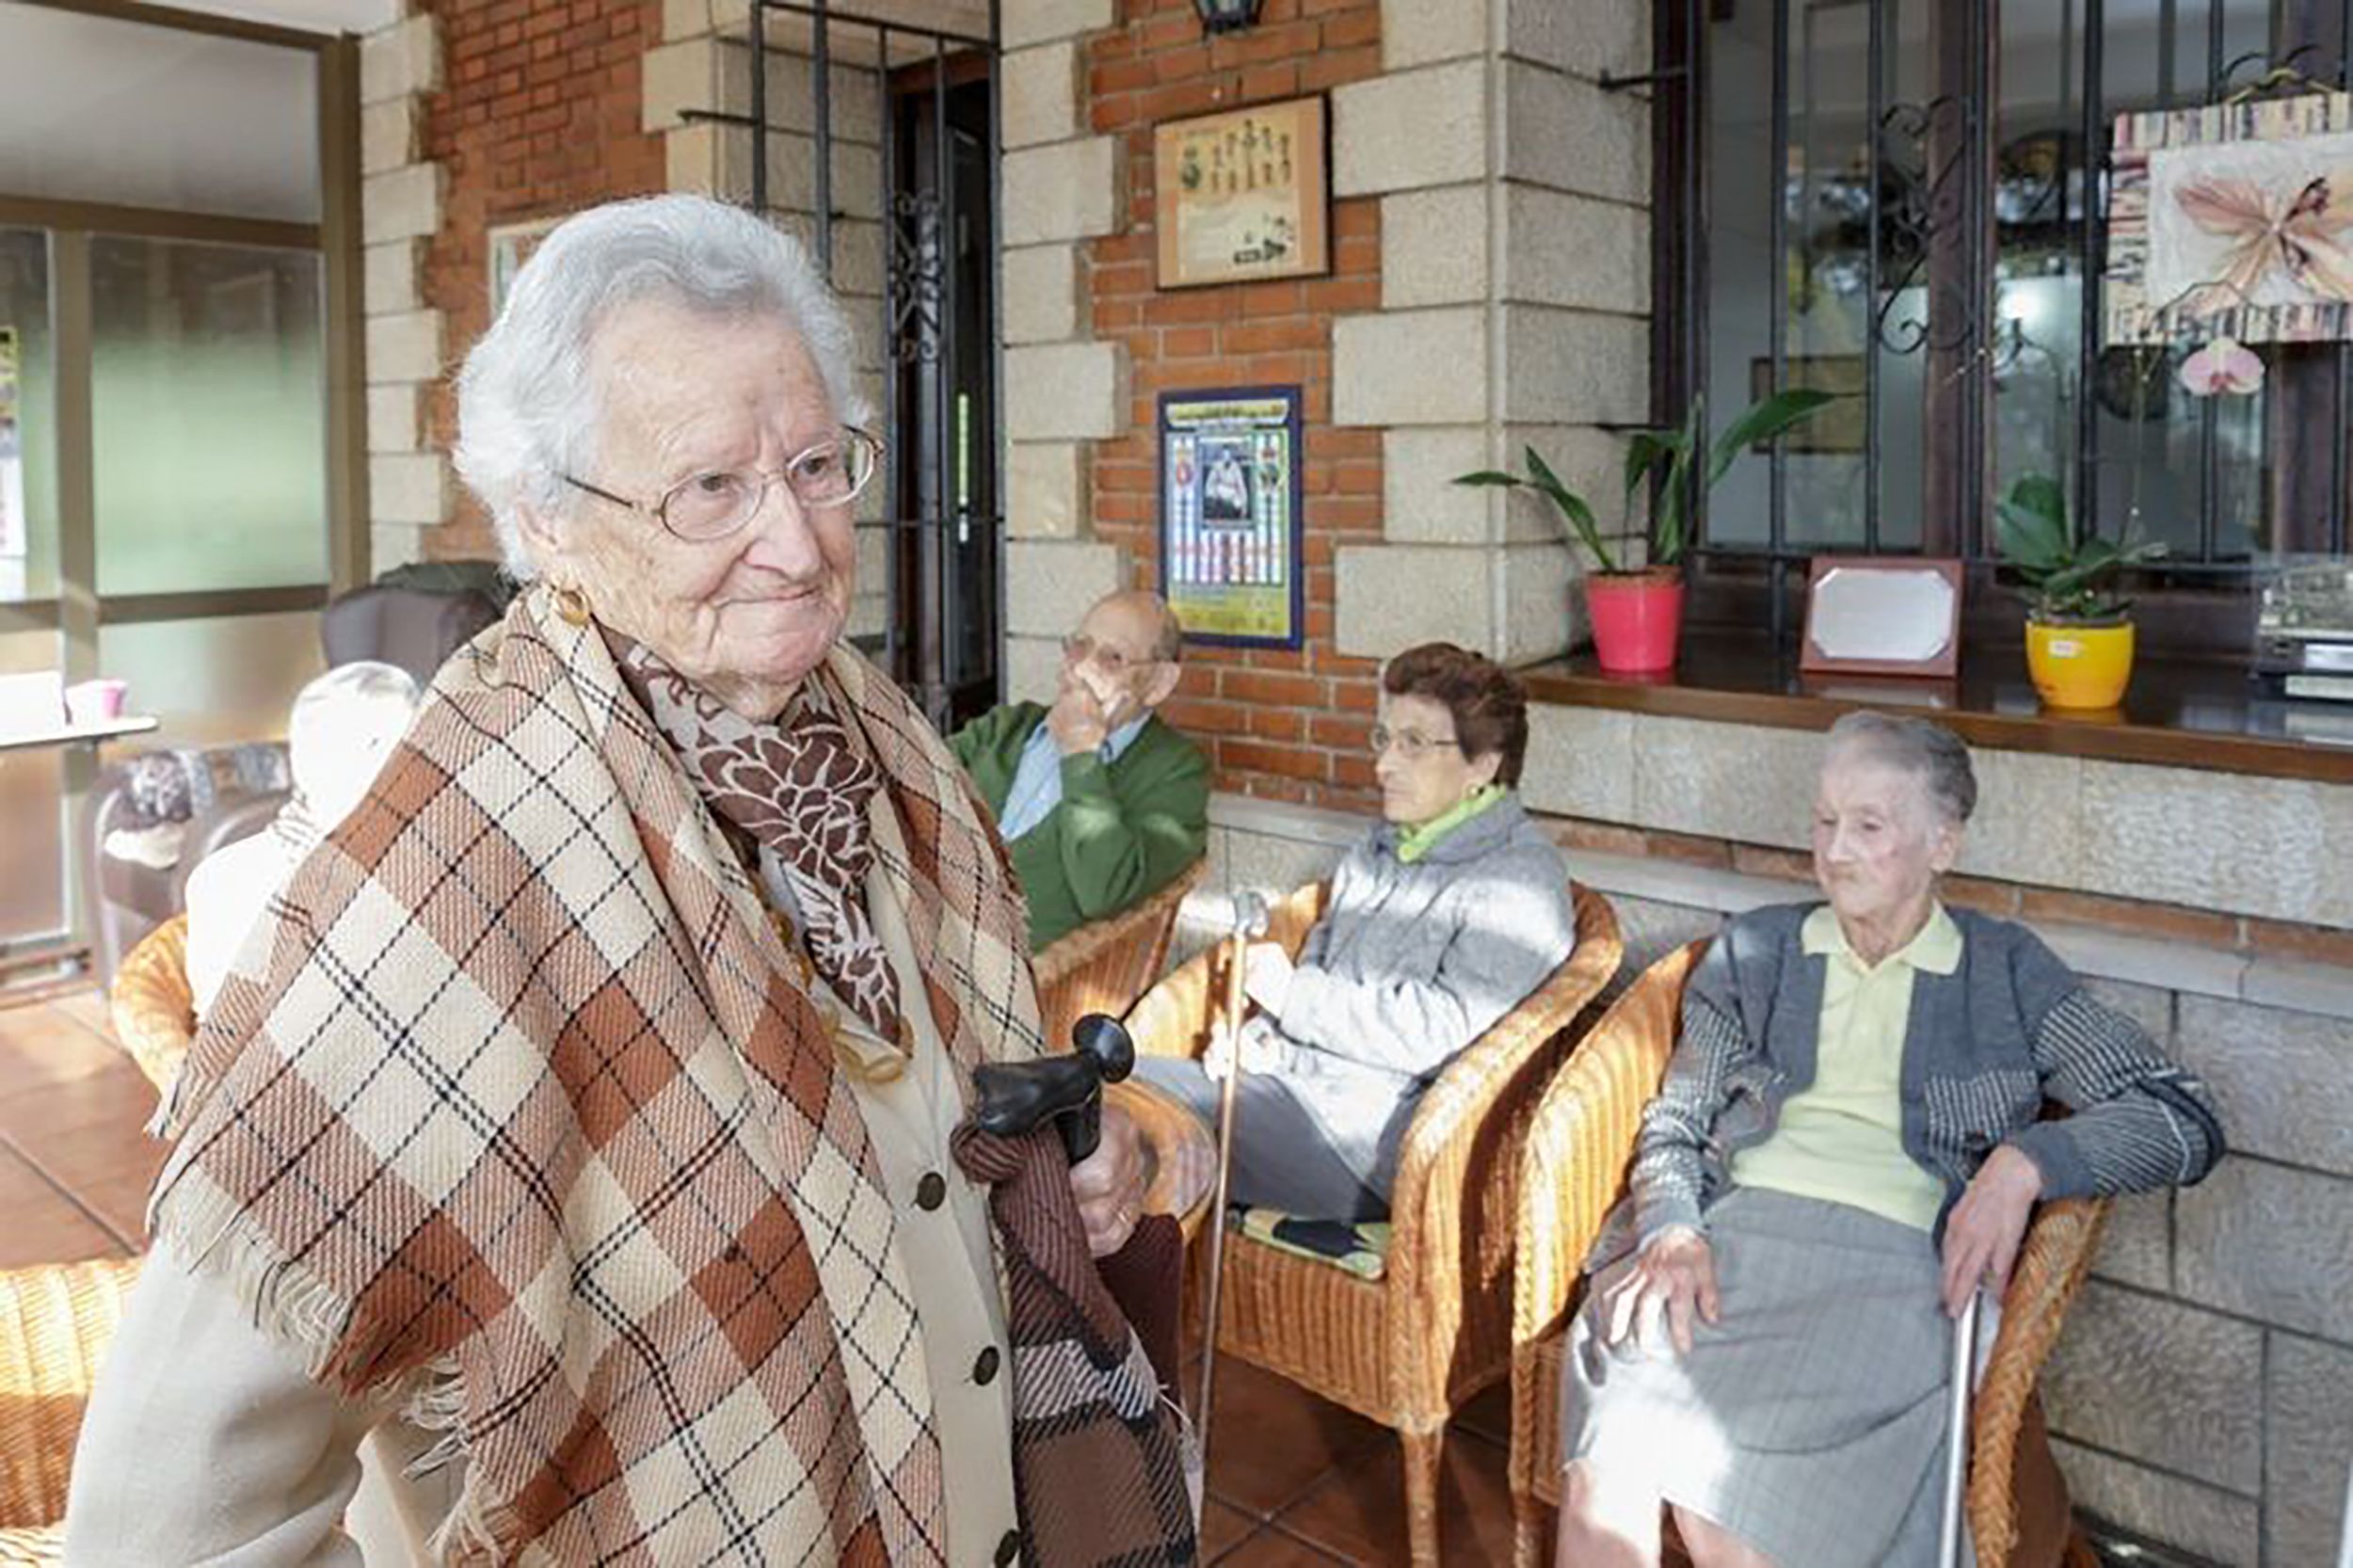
<point>1294,1482</point>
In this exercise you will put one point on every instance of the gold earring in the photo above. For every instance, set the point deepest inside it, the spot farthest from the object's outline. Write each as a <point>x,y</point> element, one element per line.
<point>572,604</point>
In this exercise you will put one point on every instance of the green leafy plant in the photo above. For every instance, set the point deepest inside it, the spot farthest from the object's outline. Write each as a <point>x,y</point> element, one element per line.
<point>2064,568</point>
<point>1670,458</point>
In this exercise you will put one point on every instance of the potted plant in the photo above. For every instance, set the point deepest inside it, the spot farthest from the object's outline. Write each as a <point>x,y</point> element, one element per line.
<point>2079,635</point>
<point>1636,612</point>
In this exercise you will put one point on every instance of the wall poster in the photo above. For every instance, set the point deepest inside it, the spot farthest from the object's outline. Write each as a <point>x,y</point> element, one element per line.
<point>1230,526</point>
<point>1242,196</point>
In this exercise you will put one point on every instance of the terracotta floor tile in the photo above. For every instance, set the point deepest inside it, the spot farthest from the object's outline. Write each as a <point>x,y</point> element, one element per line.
<point>1273,1440</point>
<point>43,1225</point>
<point>40,1045</point>
<point>1224,1528</point>
<point>1359,1513</point>
<point>84,1129</point>
<point>1271,1548</point>
<point>87,1007</point>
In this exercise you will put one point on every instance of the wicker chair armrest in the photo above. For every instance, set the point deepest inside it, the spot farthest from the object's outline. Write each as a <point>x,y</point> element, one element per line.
<point>152,1004</point>
<point>55,1321</point>
<point>1454,1201</point>
<point>1581,1140</point>
<point>1175,1016</point>
<point>2044,1283</point>
<point>1105,964</point>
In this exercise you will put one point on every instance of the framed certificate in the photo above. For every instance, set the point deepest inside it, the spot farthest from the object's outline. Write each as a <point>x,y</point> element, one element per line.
<point>1243,196</point>
<point>1882,614</point>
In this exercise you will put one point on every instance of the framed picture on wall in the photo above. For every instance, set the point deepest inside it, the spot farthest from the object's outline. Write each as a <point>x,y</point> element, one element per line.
<point>1230,530</point>
<point>510,246</point>
<point>1243,196</point>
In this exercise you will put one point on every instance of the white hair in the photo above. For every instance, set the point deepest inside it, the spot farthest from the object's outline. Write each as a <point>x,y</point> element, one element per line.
<point>342,726</point>
<point>1934,754</point>
<point>526,407</point>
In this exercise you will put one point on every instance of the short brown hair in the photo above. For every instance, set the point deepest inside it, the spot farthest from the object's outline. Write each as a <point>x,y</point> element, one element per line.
<point>1489,705</point>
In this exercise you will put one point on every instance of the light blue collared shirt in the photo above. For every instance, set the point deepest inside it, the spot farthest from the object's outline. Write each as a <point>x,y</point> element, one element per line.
<point>1037,782</point>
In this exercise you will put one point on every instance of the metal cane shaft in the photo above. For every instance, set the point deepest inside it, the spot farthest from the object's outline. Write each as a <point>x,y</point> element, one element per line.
<point>1236,954</point>
<point>1956,1431</point>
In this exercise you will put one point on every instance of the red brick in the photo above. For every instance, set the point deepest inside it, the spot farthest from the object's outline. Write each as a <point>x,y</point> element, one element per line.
<point>1115,476</point>
<point>1278,724</point>
<point>1277,690</point>
<point>1120,77</point>
<point>1254,337</point>
<point>1337,68</point>
<point>1188,343</point>
<point>2310,944</point>
<point>1178,100</point>
<point>1351,27</point>
<point>1283,761</point>
<point>1189,305</point>
<point>2169,920</point>
<point>1263,83</point>
<point>1340,732</point>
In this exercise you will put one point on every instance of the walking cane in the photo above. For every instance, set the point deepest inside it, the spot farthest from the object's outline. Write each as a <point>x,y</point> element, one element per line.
<point>1250,920</point>
<point>1956,1430</point>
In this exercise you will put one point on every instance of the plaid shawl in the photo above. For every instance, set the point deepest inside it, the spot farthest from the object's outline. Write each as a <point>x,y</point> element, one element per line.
<point>524,1123</point>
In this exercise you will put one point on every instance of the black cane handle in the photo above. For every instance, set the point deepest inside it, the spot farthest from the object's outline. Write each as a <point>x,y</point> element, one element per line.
<point>1016,1097</point>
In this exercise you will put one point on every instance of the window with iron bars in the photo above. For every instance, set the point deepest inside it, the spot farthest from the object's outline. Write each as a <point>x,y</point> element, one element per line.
<point>1902,200</point>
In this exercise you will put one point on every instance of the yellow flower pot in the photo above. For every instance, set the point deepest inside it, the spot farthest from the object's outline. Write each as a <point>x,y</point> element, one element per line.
<point>2079,666</point>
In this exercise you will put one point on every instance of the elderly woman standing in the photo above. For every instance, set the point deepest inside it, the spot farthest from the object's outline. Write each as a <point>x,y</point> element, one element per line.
<point>1440,922</point>
<point>1847,1145</point>
<point>588,1126</point>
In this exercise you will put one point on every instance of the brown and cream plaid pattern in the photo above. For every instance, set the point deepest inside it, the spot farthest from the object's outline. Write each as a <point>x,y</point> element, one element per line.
<point>524,1121</point>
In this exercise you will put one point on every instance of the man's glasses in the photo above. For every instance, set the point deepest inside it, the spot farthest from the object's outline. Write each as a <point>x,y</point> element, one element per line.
<point>714,505</point>
<point>1412,744</point>
<point>1080,649</point>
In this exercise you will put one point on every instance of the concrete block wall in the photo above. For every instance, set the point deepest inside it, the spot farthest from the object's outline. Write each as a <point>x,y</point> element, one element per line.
<point>401,201</point>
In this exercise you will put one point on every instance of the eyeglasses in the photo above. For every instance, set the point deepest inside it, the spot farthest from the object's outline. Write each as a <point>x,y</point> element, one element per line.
<point>1080,649</point>
<point>714,505</point>
<point>1412,744</point>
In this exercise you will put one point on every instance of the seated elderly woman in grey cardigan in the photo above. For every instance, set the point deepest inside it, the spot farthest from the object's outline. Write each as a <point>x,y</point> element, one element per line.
<point>1848,1145</point>
<point>1440,922</point>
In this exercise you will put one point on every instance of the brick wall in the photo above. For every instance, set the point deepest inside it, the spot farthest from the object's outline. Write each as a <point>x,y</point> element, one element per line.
<point>538,116</point>
<point>1285,725</point>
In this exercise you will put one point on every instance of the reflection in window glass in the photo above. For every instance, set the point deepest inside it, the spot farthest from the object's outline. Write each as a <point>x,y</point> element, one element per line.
<point>209,408</point>
<point>28,421</point>
<point>210,681</point>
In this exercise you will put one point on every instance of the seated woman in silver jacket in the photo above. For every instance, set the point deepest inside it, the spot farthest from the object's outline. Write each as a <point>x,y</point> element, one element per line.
<point>1440,922</point>
<point>1848,1143</point>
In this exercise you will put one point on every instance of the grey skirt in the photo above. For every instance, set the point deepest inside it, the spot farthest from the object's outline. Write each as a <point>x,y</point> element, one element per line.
<point>1810,1421</point>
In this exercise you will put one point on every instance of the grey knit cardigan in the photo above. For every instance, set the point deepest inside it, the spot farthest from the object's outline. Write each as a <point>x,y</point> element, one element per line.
<point>1986,1045</point>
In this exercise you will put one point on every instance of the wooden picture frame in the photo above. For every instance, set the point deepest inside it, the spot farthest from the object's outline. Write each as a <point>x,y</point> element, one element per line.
<point>1242,196</point>
<point>1882,615</point>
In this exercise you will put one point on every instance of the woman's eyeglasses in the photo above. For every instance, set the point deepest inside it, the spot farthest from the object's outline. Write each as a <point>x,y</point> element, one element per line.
<point>714,505</point>
<point>1412,744</point>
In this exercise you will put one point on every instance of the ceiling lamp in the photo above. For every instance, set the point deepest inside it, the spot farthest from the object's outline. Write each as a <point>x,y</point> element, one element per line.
<point>1226,16</point>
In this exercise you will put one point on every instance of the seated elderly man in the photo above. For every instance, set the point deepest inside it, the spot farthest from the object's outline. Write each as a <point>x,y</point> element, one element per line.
<point>1100,801</point>
<point>1848,1143</point>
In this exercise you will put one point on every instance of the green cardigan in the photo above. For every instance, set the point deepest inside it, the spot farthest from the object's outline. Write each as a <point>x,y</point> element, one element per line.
<point>1121,834</point>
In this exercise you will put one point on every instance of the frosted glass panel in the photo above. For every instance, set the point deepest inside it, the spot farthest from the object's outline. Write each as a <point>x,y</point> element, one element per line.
<point>209,404</point>
<point>28,421</point>
<point>231,679</point>
<point>32,788</point>
<point>96,108</point>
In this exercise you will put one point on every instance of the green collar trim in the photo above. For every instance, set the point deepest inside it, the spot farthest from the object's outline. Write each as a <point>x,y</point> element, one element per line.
<point>1415,842</point>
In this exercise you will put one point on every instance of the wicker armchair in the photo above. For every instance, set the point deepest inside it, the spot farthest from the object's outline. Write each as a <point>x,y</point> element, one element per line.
<point>1406,1350</point>
<point>1105,964</point>
<point>1579,1143</point>
<point>55,1321</point>
<point>152,1007</point>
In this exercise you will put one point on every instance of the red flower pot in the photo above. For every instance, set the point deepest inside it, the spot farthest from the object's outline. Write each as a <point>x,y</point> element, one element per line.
<point>1636,619</point>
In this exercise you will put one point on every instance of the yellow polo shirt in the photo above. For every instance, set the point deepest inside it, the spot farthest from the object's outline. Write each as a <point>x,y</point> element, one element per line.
<point>1842,1139</point>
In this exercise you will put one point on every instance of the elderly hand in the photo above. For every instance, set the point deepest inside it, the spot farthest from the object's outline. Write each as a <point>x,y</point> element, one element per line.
<point>1266,975</point>
<point>1981,1238</point>
<point>1109,1184</point>
<point>1078,721</point>
<point>1674,1276</point>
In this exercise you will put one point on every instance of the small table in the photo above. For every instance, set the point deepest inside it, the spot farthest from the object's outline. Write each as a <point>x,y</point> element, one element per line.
<point>80,734</point>
<point>1179,1153</point>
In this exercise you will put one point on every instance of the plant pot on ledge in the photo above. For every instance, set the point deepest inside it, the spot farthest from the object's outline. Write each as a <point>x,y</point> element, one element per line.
<point>2079,637</point>
<point>1637,618</point>
<point>1637,614</point>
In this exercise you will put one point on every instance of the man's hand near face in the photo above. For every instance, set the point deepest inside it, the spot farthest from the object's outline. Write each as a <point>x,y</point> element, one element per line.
<point>1079,720</point>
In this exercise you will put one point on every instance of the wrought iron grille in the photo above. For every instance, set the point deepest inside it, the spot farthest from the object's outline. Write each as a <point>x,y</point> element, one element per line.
<point>1902,199</point>
<point>932,292</point>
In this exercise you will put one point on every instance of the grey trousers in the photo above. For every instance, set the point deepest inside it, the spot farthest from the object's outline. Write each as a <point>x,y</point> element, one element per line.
<point>1282,1158</point>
